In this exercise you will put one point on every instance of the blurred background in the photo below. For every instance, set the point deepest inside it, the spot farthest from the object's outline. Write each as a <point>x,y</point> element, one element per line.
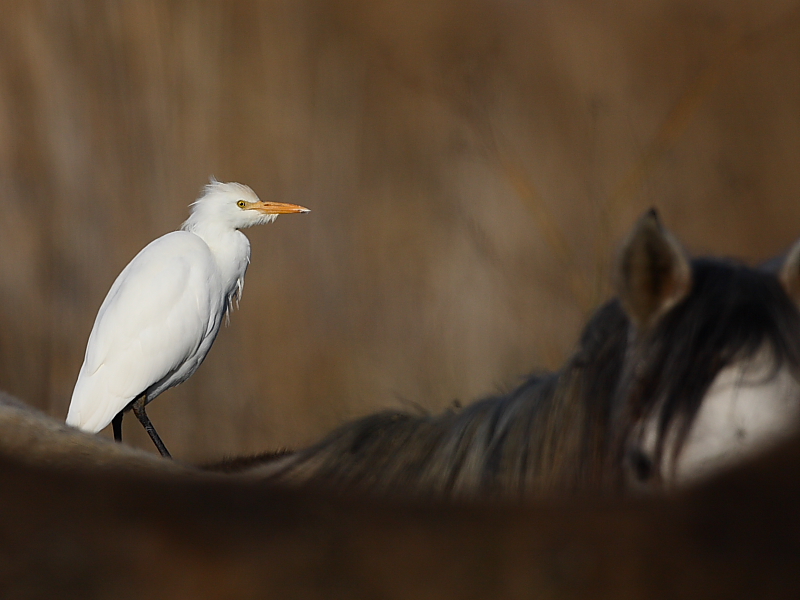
<point>471,166</point>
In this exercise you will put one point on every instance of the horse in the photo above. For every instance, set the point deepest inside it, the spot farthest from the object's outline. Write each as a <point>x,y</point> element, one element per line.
<point>82,522</point>
<point>693,366</point>
<point>73,530</point>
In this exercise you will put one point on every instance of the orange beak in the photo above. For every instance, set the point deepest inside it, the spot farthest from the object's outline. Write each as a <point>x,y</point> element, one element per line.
<point>278,208</point>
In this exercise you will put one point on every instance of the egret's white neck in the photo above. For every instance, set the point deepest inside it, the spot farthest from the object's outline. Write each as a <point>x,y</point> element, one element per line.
<point>230,248</point>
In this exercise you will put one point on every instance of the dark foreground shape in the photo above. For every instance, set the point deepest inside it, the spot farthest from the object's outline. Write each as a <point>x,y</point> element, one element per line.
<point>33,438</point>
<point>95,533</point>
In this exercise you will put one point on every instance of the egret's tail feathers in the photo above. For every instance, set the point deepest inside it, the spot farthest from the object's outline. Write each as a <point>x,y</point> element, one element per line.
<point>90,415</point>
<point>78,418</point>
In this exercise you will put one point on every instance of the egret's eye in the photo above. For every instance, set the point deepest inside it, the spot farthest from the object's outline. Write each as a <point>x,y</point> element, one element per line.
<point>241,204</point>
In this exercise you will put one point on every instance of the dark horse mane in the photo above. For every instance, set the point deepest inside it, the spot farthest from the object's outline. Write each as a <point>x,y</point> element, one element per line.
<point>510,445</point>
<point>658,347</point>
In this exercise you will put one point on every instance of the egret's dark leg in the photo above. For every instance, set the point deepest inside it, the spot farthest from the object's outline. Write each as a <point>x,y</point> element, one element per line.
<point>116,423</point>
<point>138,410</point>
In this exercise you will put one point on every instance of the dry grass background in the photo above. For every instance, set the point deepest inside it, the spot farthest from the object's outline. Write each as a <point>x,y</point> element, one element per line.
<point>471,166</point>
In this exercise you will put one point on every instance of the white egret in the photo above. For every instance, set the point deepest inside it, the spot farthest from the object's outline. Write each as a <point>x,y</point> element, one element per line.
<point>163,312</point>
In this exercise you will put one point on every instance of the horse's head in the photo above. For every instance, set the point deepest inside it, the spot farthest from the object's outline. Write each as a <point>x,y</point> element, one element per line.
<point>712,370</point>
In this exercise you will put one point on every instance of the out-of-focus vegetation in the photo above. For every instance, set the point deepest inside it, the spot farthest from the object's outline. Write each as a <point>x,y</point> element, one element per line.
<point>470,166</point>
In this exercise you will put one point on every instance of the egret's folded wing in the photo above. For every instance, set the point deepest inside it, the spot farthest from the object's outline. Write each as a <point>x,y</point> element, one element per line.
<point>154,317</point>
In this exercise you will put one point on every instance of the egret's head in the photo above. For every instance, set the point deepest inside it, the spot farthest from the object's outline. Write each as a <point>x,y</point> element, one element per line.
<point>236,206</point>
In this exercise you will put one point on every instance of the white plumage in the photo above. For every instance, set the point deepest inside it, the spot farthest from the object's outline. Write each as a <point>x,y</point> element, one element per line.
<point>163,312</point>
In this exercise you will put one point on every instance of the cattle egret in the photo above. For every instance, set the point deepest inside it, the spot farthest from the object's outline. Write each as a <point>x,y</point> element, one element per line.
<point>163,312</point>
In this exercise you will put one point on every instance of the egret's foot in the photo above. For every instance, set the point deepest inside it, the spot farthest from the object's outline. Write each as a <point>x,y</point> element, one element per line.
<point>138,410</point>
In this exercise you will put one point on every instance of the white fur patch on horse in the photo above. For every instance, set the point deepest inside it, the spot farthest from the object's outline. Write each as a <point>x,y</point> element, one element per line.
<point>748,409</point>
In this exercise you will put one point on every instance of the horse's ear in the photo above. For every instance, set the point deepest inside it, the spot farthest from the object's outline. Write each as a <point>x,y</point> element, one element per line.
<point>653,273</point>
<point>789,275</point>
